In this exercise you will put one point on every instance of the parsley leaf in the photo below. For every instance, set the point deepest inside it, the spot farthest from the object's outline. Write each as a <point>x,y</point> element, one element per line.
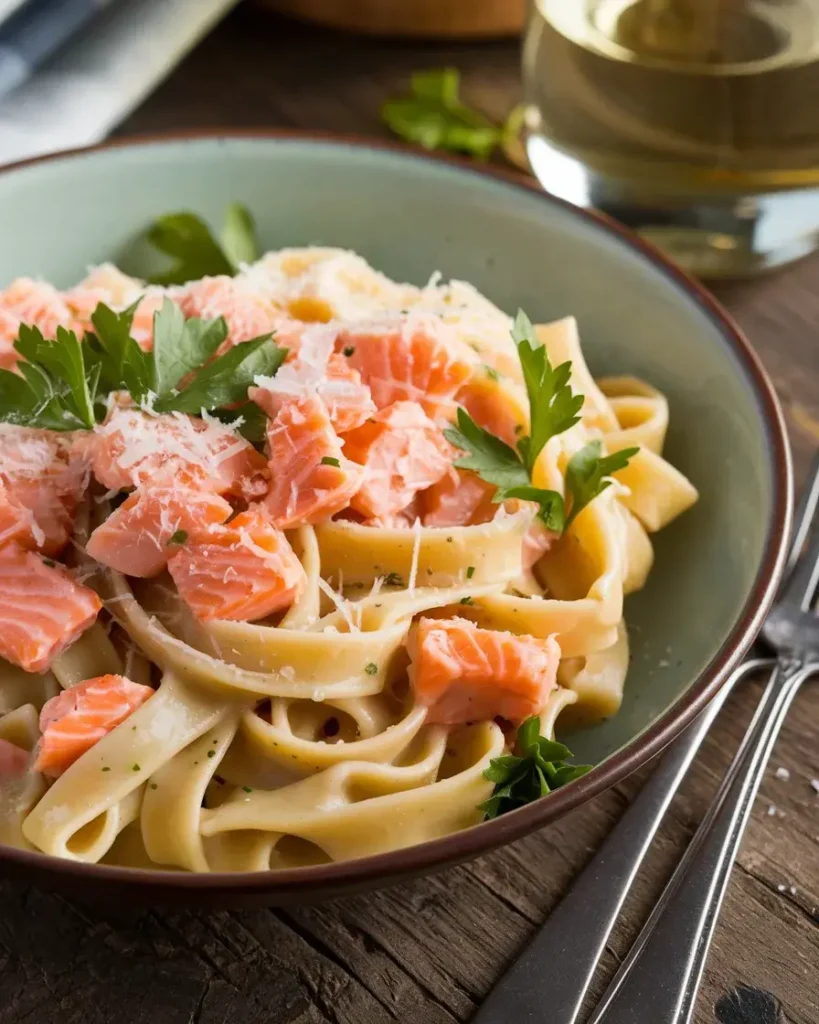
<point>250,420</point>
<point>225,380</point>
<point>122,363</point>
<point>182,346</point>
<point>71,383</point>
<point>587,472</point>
<point>537,769</point>
<point>239,241</point>
<point>489,457</point>
<point>552,511</point>
<point>434,117</point>
<point>553,408</point>
<point>188,239</point>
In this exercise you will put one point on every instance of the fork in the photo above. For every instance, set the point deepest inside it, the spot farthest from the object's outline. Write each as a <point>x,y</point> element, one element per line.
<point>660,976</point>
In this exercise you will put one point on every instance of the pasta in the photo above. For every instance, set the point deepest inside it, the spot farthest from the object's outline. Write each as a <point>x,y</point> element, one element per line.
<point>312,647</point>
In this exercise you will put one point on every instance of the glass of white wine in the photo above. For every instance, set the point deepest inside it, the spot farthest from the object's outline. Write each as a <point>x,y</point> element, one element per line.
<point>694,121</point>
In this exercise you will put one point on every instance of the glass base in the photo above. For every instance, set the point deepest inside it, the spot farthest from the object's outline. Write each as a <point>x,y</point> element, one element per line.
<point>711,236</point>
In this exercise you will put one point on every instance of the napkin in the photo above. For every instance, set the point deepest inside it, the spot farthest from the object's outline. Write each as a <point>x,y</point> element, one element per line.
<point>81,93</point>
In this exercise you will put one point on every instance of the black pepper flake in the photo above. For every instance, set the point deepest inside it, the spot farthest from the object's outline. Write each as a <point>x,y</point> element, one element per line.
<point>154,786</point>
<point>106,769</point>
<point>349,350</point>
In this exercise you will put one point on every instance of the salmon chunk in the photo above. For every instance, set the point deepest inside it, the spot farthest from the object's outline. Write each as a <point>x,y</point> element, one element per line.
<point>466,674</point>
<point>404,452</point>
<point>493,407</point>
<point>76,719</point>
<point>408,360</point>
<point>317,370</point>
<point>147,529</point>
<point>46,473</point>
<point>312,479</point>
<point>242,570</point>
<point>42,609</point>
<point>29,302</point>
<point>459,498</point>
<point>134,448</point>
<point>247,313</point>
<point>13,760</point>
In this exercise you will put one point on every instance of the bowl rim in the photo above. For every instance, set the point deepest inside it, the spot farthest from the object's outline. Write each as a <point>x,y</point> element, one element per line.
<point>383,868</point>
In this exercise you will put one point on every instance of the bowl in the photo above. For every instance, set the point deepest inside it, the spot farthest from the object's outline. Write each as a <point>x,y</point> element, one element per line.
<point>409,214</point>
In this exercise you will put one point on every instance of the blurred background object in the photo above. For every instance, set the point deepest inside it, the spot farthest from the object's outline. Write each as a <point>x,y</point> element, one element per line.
<point>71,70</point>
<point>413,18</point>
<point>694,121</point>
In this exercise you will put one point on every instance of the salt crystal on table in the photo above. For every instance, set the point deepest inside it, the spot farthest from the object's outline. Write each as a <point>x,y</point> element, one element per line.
<point>780,888</point>
<point>783,773</point>
<point>771,811</point>
<point>815,784</point>
<point>792,890</point>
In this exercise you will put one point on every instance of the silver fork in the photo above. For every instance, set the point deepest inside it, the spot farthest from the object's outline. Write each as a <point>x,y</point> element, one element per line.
<point>659,978</point>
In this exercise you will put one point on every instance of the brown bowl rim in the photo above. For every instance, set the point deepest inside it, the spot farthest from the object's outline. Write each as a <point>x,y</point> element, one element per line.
<point>378,869</point>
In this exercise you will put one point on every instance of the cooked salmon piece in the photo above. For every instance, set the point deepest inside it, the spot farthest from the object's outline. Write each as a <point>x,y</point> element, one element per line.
<point>243,570</point>
<point>13,760</point>
<point>408,359</point>
<point>493,407</point>
<point>404,519</point>
<point>466,674</point>
<point>247,313</point>
<point>134,447</point>
<point>312,479</point>
<point>139,537</point>
<point>317,370</point>
<point>42,609</point>
<point>76,719</point>
<point>47,473</point>
<point>459,498</point>
<point>16,521</point>
<point>29,302</point>
<point>404,452</point>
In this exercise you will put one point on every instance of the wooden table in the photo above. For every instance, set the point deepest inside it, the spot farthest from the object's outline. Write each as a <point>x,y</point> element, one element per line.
<point>427,953</point>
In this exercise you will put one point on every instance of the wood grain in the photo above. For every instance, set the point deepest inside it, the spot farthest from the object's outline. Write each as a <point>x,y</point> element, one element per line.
<point>428,952</point>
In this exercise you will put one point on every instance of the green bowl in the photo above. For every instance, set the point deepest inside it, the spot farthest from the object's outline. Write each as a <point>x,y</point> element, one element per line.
<point>409,214</point>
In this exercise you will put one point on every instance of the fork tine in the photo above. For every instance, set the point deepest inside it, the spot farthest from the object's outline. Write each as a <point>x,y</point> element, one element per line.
<point>804,515</point>
<point>799,589</point>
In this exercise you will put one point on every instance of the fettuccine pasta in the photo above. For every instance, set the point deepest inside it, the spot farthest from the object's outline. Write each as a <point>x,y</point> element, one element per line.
<point>233,654</point>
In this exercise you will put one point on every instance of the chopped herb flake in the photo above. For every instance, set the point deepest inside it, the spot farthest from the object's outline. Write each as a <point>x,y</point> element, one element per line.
<point>135,768</point>
<point>154,785</point>
<point>106,769</point>
<point>466,600</point>
<point>178,537</point>
<point>392,579</point>
<point>470,572</point>
<point>349,350</point>
<point>211,753</point>
<point>247,789</point>
<point>371,669</point>
<point>328,460</point>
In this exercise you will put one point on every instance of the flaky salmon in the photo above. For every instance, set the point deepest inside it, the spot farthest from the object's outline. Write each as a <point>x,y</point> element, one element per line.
<point>408,359</point>
<point>42,609</point>
<point>29,302</point>
<point>459,498</point>
<point>73,721</point>
<point>311,477</point>
<point>47,473</point>
<point>134,447</point>
<point>147,529</point>
<point>462,673</point>
<point>244,569</point>
<point>247,313</point>
<point>403,452</point>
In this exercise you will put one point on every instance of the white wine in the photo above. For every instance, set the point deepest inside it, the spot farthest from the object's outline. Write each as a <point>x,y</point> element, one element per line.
<point>680,109</point>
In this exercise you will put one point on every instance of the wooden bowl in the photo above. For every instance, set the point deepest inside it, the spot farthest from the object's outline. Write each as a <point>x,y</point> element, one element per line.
<point>418,18</point>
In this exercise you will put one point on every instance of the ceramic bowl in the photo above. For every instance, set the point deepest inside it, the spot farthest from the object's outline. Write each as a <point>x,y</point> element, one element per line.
<point>409,214</point>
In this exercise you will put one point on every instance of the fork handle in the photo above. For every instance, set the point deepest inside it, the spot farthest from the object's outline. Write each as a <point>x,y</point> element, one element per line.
<point>550,979</point>
<point>660,978</point>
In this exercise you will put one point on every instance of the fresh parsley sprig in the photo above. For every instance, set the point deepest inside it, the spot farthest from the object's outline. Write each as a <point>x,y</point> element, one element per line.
<point>180,372</point>
<point>553,409</point>
<point>196,252</point>
<point>435,117</point>
<point>54,388</point>
<point>536,769</point>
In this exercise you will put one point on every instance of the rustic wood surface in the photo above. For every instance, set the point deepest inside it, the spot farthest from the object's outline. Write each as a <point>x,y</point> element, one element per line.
<point>427,952</point>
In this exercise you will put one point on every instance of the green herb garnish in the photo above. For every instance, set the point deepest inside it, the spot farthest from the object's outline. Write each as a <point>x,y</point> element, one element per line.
<point>135,768</point>
<point>433,116</point>
<point>177,537</point>
<point>466,600</point>
<point>538,768</point>
<point>196,252</point>
<point>470,572</point>
<point>371,669</point>
<point>247,789</point>
<point>328,460</point>
<point>553,409</point>
<point>54,387</point>
<point>392,579</point>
